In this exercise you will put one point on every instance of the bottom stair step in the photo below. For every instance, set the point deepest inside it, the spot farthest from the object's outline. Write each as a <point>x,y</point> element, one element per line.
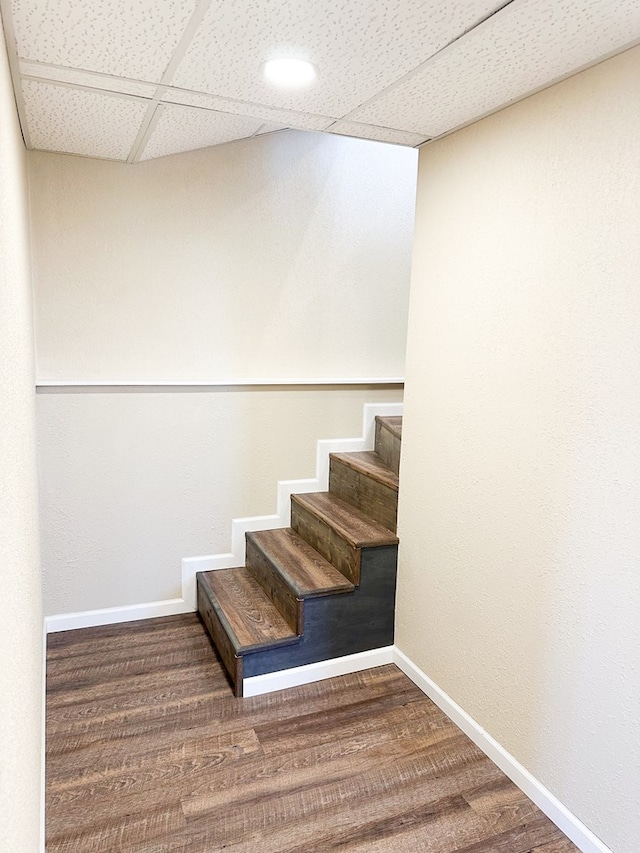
<point>334,625</point>
<point>240,617</point>
<point>252,618</point>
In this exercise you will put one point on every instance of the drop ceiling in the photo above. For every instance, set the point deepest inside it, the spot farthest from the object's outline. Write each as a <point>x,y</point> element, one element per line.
<point>133,80</point>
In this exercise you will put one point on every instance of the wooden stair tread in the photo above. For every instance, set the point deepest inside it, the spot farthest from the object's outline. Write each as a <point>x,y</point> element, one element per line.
<point>303,568</point>
<point>248,615</point>
<point>357,529</point>
<point>369,463</point>
<point>393,423</point>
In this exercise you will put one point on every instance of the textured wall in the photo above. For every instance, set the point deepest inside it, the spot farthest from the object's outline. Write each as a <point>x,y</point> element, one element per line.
<point>282,256</point>
<point>21,623</point>
<point>132,482</point>
<point>520,543</point>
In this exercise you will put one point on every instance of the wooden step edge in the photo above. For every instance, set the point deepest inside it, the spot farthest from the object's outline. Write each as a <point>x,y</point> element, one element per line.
<point>220,634</point>
<point>270,644</point>
<point>301,592</point>
<point>203,586</point>
<point>382,474</point>
<point>378,537</point>
<point>390,423</point>
<point>238,648</point>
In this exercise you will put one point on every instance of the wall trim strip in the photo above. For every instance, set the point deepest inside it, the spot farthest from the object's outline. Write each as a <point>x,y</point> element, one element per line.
<point>565,820</point>
<point>115,615</point>
<point>258,685</point>
<point>73,385</point>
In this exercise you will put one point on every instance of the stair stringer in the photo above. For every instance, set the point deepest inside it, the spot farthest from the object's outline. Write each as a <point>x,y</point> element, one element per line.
<point>285,488</point>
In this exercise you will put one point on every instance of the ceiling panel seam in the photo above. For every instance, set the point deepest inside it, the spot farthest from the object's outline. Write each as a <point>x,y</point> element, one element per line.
<point>146,129</point>
<point>14,68</point>
<point>479,26</point>
<point>113,93</point>
<point>236,101</point>
<point>29,70</point>
<point>153,114</point>
<point>185,40</point>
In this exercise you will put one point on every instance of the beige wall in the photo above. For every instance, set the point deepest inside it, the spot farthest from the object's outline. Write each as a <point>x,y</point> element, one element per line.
<point>283,256</point>
<point>278,257</point>
<point>132,482</point>
<point>21,623</point>
<point>520,542</point>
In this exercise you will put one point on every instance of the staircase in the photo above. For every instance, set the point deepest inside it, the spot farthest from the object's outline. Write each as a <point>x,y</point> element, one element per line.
<point>323,588</point>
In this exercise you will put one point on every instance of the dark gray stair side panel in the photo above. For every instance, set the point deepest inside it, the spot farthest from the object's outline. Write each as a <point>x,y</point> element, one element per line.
<point>343,624</point>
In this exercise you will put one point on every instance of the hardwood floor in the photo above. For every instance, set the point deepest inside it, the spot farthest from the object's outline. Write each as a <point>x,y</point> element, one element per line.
<point>148,751</point>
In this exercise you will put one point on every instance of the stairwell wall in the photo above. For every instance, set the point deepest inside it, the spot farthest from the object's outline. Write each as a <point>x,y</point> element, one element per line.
<point>281,258</point>
<point>21,680</point>
<point>519,589</point>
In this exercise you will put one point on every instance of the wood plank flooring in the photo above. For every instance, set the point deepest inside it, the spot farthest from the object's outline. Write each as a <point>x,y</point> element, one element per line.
<point>148,751</point>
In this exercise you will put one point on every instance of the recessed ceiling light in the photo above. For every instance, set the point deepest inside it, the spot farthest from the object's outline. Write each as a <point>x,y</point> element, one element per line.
<point>289,73</point>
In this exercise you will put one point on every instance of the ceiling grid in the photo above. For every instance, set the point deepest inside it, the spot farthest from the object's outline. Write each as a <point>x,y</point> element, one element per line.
<point>134,79</point>
<point>154,112</point>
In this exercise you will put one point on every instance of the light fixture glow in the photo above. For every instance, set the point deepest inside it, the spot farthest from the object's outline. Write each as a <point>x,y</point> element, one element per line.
<point>289,73</point>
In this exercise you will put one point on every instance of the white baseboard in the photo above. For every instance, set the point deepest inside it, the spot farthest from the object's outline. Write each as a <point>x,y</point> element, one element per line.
<point>258,685</point>
<point>113,615</point>
<point>282,518</point>
<point>567,822</point>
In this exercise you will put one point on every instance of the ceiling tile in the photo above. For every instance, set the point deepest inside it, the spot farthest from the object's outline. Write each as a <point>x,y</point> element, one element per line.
<point>186,128</point>
<point>61,118</point>
<point>359,47</point>
<point>527,45</point>
<point>87,79</point>
<point>126,38</point>
<point>303,121</point>
<point>400,71</point>
<point>379,134</point>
